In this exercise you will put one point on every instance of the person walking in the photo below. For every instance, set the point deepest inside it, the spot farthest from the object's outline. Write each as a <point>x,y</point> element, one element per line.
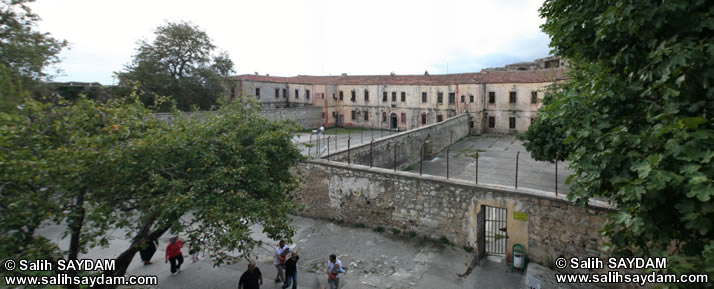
<point>147,248</point>
<point>173,254</point>
<point>280,261</point>
<point>291,270</point>
<point>194,249</point>
<point>251,278</point>
<point>334,270</point>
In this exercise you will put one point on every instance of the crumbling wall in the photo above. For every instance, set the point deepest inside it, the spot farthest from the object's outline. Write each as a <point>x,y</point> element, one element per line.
<point>435,207</point>
<point>408,144</point>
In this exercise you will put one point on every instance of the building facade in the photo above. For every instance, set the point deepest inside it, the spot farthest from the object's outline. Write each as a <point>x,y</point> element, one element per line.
<point>498,100</point>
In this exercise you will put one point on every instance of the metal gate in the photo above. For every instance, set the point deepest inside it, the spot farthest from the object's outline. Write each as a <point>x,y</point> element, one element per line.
<point>495,227</point>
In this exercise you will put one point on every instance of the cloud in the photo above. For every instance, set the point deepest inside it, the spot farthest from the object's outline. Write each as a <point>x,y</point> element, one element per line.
<point>317,37</point>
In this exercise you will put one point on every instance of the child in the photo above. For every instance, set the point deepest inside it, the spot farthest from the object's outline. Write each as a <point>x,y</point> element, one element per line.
<point>195,248</point>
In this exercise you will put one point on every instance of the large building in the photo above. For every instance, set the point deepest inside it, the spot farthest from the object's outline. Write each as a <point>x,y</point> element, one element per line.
<point>499,100</point>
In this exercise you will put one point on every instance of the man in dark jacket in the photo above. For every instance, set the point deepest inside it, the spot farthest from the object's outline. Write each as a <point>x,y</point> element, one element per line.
<point>251,279</point>
<point>291,270</point>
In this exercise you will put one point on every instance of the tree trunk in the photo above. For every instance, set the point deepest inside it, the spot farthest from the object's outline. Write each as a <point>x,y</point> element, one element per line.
<point>76,228</point>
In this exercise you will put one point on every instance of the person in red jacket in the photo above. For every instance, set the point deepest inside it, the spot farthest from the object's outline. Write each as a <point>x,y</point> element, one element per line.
<point>173,254</point>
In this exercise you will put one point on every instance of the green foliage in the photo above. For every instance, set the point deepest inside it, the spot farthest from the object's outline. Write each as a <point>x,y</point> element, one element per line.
<point>24,53</point>
<point>97,167</point>
<point>635,121</point>
<point>444,240</point>
<point>360,225</point>
<point>412,234</point>
<point>396,231</point>
<point>180,63</point>
<point>468,249</point>
<point>379,229</point>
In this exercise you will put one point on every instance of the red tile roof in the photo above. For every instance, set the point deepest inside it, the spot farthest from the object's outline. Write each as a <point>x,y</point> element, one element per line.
<point>527,76</point>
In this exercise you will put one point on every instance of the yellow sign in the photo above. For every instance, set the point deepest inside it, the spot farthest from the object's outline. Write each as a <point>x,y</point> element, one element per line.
<point>520,216</point>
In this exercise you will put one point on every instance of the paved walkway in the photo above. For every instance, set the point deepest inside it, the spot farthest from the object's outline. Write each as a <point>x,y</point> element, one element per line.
<point>372,260</point>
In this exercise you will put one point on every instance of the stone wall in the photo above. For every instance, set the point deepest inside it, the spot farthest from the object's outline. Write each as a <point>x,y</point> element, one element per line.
<point>409,144</point>
<point>306,117</point>
<point>435,207</point>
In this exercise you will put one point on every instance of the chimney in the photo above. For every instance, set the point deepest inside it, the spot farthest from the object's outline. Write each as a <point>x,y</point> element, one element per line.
<point>256,73</point>
<point>267,74</point>
<point>392,73</point>
<point>426,72</point>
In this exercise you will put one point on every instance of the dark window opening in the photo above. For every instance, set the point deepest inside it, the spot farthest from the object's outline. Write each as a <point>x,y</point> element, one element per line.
<point>277,92</point>
<point>552,63</point>
<point>423,118</point>
<point>257,92</point>
<point>440,97</point>
<point>439,118</point>
<point>511,122</point>
<point>471,98</point>
<point>366,96</point>
<point>307,94</point>
<point>492,97</point>
<point>334,114</point>
<point>423,97</point>
<point>384,116</point>
<point>404,96</point>
<point>366,116</point>
<point>323,115</point>
<point>463,98</point>
<point>512,97</point>
<point>285,93</point>
<point>384,96</point>
<point>534,96</point>
<point>334,96</point>
<point>491,122</point>
<point>532,120</point>
<point>404,117</point>
<point>452,98</point>
<point>354,96</point>
<point>354,115</point>
<point>233,92</point>
<point>297,94</point>
<point>341,95</point>
<point>394,96</point>
<point>471,124</point>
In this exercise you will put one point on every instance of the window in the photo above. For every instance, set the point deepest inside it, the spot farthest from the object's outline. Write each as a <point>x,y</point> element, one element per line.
<point>471,124</point>
<point>334,96</point>
<point>404,96</point>
<point>452,98</point>
<point>423,118</point>
<point>334,114</point>
<point>512,97</point>
<point>511,122</point>
<point>534,96</point>
<point>366,96</point>
<point>423,97</point>
<point>323,115</point>
<point>354,95</point>
<point>491,97</point>
<point>491,122</point>
<point>394,96</point>
<point>366,116</point>
<point>384,116</point>
<point>297,94</point>
<point>440,97</point>
<point>277,92</point>
<point>257,92</point>
<point>233,92</point>
<point>384,96</point>
<point>341,95</point>
<point>471,98</point>
<point>307,94</point>
<point>532,120</point>
<point>354,115</point>
<point>404,117</point>
<point>463,98</point>
<point>323,95</point>
<point>285,93</point>
<point>439,118</point>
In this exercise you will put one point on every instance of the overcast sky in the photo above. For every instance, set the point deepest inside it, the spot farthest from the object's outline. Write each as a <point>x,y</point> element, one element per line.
<point>293,37</point>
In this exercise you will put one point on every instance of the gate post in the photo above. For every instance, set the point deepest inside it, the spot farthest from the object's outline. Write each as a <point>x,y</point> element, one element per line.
<point>309,146</point>
<point>517,155</point>
<point>476,160</point>
<point>348,149</point>
<point>370,153</point>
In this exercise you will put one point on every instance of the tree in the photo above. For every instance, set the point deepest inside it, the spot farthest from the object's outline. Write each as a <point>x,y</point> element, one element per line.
<point>24,52</point>
<point>179,63</point>
<point>97,167</point>
<point>635,120</point>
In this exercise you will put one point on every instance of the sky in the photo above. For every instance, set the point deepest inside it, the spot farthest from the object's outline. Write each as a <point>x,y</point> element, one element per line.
<point>303,37</point>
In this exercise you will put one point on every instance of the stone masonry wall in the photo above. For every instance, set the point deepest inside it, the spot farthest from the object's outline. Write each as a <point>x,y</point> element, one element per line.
<point>408,144</point>
<point>306,117</point>
<point>435,207</point>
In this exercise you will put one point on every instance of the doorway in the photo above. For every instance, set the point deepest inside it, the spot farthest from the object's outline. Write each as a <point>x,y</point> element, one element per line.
<point>393,121</point>
<point>495,236</point>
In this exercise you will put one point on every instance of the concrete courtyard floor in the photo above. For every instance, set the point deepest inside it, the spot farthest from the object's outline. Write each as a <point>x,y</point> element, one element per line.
<point>371,259</point>
<point>496,164</point>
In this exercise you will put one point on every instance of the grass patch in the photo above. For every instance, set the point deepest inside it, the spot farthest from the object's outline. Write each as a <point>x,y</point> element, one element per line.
<point>412,234</point>
<point>379,229</point>
<point>409,168</point>
<point>396,231</point>
<point>360,225</point>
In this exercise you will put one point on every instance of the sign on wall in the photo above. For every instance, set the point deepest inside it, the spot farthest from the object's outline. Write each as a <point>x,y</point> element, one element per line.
<point>520,216</point>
